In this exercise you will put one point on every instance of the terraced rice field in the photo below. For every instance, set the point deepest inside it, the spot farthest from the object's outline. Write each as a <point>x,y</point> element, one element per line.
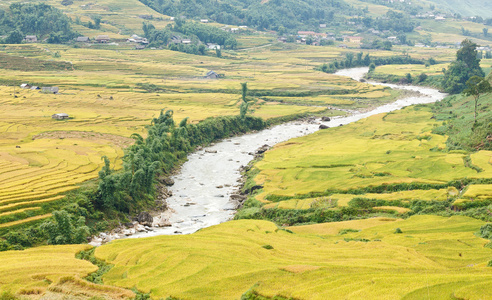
<point>54,272</point>
<point>434,257</point>
<point>384,150</point>
<point>115,92</point>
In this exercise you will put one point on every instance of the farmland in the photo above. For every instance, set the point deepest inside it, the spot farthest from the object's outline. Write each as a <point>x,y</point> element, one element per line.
<point>110,94</point>
<point>430,257</point>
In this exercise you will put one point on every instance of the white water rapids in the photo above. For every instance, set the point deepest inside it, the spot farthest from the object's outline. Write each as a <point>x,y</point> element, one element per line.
<point>199,202</point>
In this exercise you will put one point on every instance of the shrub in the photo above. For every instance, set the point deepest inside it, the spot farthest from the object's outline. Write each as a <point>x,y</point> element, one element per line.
<point>398,230</point>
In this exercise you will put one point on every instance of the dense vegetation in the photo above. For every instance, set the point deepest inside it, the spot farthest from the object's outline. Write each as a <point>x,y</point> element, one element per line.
<point>120,193</point>
<point>275,14</point>
<point>42,20</point>
<point>361,60</point>
<point>466,65</point>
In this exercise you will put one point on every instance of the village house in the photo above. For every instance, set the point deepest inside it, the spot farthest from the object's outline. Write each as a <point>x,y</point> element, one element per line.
<point>353,39</point>
<point>322,25</point>
<point>50,89</point>
<point>137,39</point>
<point>204,20</point>
<point>186,41</point>
<point>83,39</point>
<point>102,38</point>
<point>212,75</point>
<point>31,39</point>
<point>213,46</point>
<point>25,86</point>
<point>139,47</point>
<point>60,116</point>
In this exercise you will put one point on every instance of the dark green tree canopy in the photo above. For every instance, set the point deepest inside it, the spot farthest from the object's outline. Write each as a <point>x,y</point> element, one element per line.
<point>41,20</point>
<point>462,69</point>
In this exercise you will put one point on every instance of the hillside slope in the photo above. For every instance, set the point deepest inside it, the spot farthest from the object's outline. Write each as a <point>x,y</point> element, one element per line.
<point>468,8</point>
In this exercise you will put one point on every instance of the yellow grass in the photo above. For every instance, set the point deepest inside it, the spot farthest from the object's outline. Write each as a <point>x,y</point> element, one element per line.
<point>223,262</point>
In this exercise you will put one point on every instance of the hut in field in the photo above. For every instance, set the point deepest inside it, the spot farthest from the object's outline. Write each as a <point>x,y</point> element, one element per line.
<point>60,116</point>
<point>50,89</point>
<point>34,87</point>
<point>31,39</point>
<point>212,75</point>
<point>83,39</point>
<point>25,86</point>
<point>102,38</point>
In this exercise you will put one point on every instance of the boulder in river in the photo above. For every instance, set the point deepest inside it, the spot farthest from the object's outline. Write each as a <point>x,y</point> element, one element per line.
<point>145,218</point>
<point>326,119</point>
<point>322,126</point>
<point>263,149</point>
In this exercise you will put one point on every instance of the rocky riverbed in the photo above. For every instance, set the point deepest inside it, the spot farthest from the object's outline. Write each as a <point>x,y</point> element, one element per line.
<point>205,190</point>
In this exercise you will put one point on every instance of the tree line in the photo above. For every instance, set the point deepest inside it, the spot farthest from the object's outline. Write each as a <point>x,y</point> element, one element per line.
<point>360,60</point>
<point>42,20</point>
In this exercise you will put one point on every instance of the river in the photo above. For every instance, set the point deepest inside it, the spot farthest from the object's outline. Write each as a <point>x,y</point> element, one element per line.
<point>202,189</point>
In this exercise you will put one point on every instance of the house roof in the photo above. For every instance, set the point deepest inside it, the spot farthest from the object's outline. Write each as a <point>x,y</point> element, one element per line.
<point>61,115</point>
<point>82,39</point>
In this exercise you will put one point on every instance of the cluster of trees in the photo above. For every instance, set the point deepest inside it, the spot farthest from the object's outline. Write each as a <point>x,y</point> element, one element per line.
<point>393,21</point>
<point>466,65</point>
<point>289,14</point>
<point>207,34</point>
<point>42,20</point>
<point>166,144</point>
<point>197,32</point>
<point>361,60</point>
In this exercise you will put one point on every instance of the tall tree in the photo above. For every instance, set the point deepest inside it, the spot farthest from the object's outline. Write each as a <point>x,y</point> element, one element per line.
<point>477,86</point>
<point>463,68</point>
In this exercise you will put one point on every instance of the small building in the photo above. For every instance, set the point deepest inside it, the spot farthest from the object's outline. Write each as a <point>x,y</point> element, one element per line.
<point>186,41</point>
<point>353,39</point>
<point>139,47</point>
<point>60,116</point>
<point>83,39</point>
<point>34,87</point>
<point>204,20</point>
<point>213,46</point>
<point>50,89</point>
<point>31,39</point>
<point>212,75</point>
<point>102,38</point>
<point>146,17</point>
<point>25,86</point>
<point>322,25</point>
<point>234,30</point>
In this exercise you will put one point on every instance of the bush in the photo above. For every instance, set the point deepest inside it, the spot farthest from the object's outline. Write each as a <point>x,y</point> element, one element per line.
<point>398,230</point>
<point>486,231</point>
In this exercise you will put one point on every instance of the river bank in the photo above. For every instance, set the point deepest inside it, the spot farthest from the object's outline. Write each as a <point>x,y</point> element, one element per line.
<point>205,191</point>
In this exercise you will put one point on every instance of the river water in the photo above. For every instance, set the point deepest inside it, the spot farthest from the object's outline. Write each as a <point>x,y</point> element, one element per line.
<point>202,189</point>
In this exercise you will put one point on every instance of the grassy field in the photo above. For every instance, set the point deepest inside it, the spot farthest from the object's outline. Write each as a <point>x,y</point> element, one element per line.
<point>388,149</point>
<point>114,92</point>
<point>434,257</point>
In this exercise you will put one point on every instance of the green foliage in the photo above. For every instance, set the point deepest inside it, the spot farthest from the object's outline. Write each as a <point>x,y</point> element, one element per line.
<point>65,228</point>
<point>275,15</point>
<point>347,230</point>
<point>367,61</point>
<point>164,147</point>
<point>477,86</point>
<point>7,295</point>
<point>35,19</point>
<point>486,231</point>
<point>268,247</point>
<point>103,267</point>
<point>463,68</point>
<point>398,230</point>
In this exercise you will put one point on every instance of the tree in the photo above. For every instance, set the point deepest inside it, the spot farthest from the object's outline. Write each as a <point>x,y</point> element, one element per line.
<point>372,68</point>
<point>15,37</point>
<point>63,229</point>
<point>463,68</point>
<point>243,109</point>
<point>477,86</point>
